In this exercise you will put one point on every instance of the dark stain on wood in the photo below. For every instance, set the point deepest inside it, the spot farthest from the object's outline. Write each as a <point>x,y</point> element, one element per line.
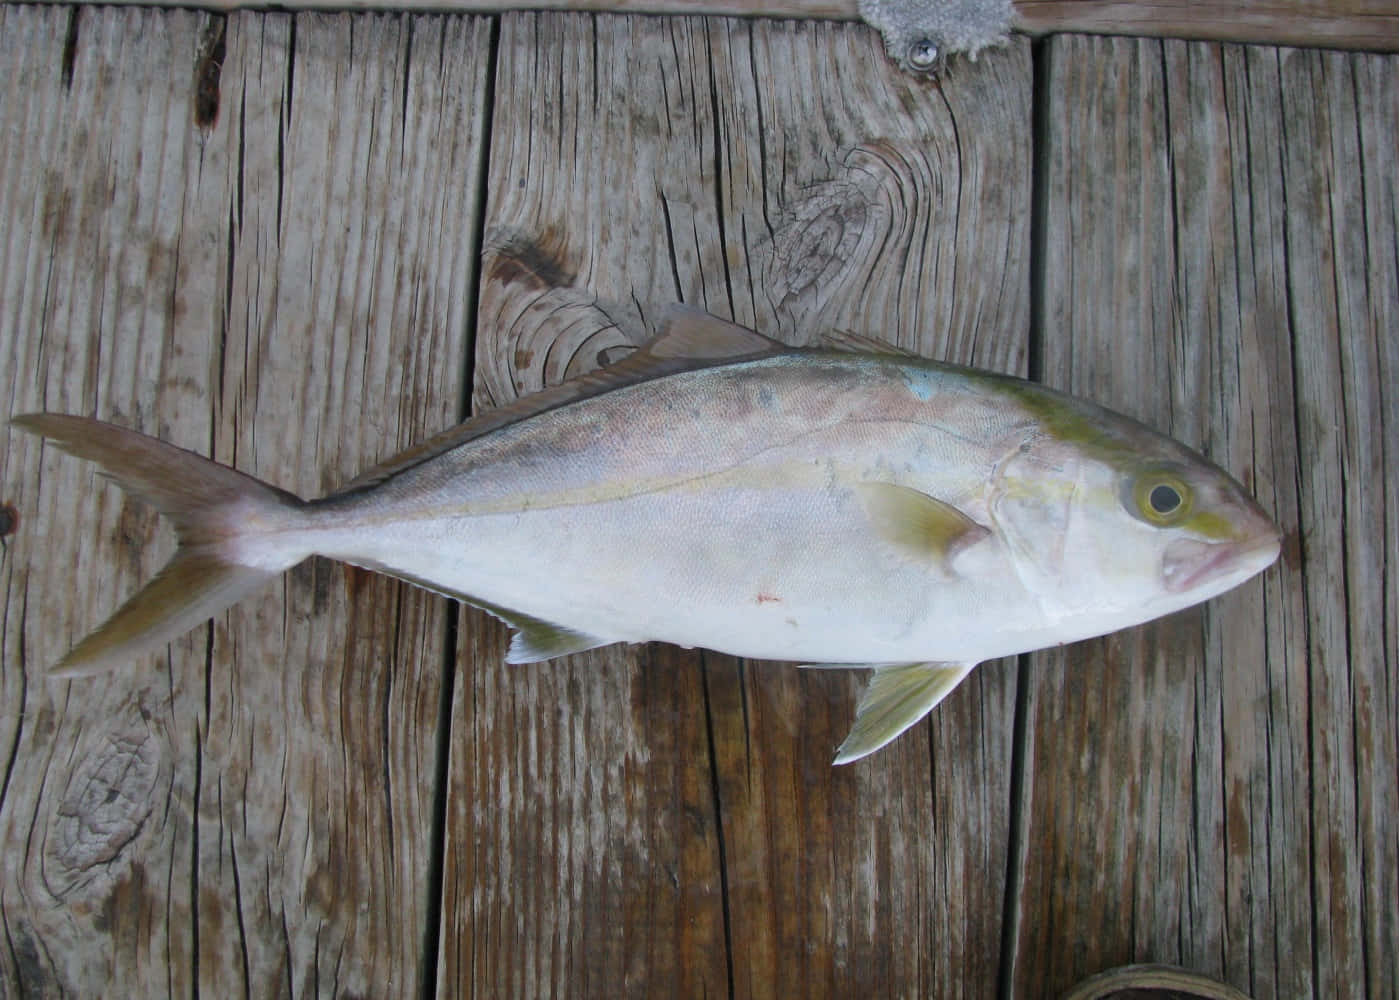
<point>1292,550</point>
<point>58,204</point>
<point>33,974</point>
<point>70,48</point>
<point>355,581</point>
<point>537,261</point>
<point>315,576</point>
<point>9,520</point>
<point>208,68</point>
<point>211,912</point>
<point>129,894</point>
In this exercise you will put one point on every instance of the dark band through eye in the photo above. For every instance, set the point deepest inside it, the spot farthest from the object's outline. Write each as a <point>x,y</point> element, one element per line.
<point>1164,499</point>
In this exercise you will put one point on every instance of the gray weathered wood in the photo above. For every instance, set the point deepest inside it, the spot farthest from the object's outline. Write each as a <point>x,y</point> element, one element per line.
<point>650,821</point>
<point>265,250</point>
<point>232,236</point>
<point>1341,182</point>
<point>1342,24</point>
<point>1220,260</point>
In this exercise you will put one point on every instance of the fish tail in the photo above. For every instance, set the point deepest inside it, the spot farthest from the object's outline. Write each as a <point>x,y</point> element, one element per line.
<point>223,519</point>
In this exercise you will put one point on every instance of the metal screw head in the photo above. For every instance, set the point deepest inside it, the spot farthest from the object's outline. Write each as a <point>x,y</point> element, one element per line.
<point>924,55</point>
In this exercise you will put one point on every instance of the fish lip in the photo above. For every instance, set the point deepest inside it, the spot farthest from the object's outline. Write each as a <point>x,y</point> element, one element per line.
<point>1190,564</point>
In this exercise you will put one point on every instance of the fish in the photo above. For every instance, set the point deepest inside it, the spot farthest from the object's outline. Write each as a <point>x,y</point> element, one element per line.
<point>846,505</point>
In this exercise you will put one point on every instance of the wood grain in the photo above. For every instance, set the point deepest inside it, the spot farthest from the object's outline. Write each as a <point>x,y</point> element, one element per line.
<point>1212,221</point>
<point>221,232</point>
<point>1344,24</point>
<point>1341,183</point>
<point>257,236</point>
<point>648,821</point>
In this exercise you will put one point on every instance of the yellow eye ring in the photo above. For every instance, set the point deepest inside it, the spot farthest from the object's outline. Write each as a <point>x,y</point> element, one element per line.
<point>1162,498</point>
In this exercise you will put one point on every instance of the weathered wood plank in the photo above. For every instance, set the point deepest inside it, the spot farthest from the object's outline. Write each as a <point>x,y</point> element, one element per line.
<point>1220,220</point>
<point>1349,24</point>
<point>649,821</point>
<point>1344,24</point>
<point>1341,182</point>
<point>232,236</point>
<point>1220,260</point>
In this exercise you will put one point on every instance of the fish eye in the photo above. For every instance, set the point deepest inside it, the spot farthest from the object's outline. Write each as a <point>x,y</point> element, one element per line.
<point>1164,499</point>
<point>1161,498</point>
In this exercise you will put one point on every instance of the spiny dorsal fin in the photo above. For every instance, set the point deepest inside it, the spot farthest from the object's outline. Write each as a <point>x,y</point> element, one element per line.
<point>897,697</point>
<point>689,339</point>
<point>858,343</point>
<point>919,523</point>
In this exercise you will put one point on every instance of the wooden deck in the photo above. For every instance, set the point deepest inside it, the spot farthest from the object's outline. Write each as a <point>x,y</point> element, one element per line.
<point>300,242</point>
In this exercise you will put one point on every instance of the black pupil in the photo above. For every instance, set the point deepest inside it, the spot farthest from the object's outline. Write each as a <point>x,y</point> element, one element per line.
<point>1164,499</point>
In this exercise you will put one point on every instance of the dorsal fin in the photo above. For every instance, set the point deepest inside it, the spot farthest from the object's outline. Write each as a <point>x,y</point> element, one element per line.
<point>693,334</point>
<point>688,339</point>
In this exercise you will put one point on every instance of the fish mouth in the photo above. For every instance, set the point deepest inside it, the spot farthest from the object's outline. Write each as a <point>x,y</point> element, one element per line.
<point>1193,565</point>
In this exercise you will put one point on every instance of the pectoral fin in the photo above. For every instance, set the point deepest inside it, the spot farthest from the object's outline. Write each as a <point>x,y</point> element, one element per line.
<point>921,524</point>
<point>897,697</point>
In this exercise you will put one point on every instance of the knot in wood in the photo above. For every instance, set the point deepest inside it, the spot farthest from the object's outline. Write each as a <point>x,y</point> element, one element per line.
<point>820,237</point>
<point>553,336</point>
<point>107,801</point>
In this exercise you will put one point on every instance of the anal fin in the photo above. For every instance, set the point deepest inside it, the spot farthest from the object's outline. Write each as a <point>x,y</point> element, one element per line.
<point>534,638</point>
<point>897,698</point>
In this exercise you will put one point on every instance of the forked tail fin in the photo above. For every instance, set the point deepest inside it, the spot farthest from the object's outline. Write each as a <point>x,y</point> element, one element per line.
<point>221,516</point>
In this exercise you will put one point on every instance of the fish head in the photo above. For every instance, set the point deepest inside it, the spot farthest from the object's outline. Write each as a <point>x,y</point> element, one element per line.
<point>1111,524</point>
